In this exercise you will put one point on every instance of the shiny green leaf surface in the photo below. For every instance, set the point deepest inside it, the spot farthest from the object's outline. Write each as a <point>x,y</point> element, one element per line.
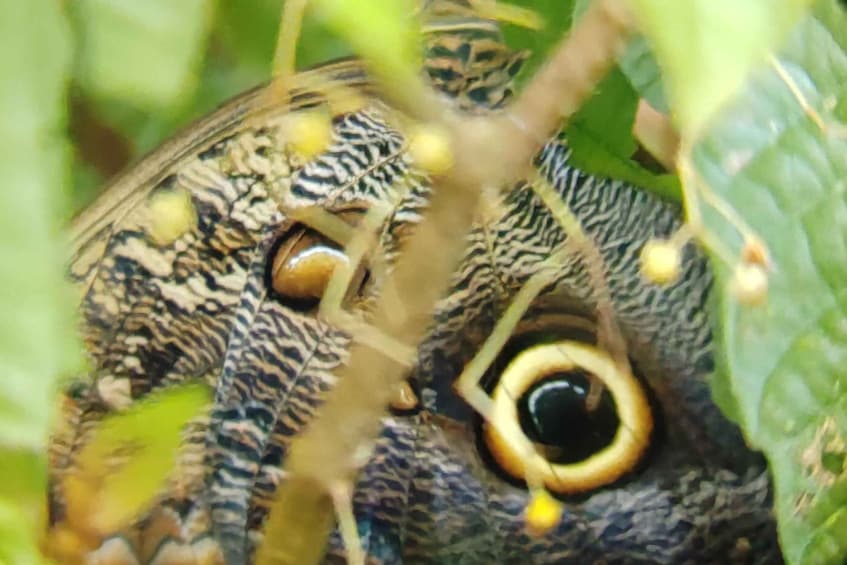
<point>783,168</point>
<point>148,53</point>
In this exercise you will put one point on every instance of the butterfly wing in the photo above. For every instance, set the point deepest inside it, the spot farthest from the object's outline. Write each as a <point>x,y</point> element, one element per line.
<point>156,313</point>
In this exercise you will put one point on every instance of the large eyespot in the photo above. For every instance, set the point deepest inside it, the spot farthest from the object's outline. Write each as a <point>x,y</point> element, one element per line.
<point>587,440</point>
<point>302,263</point>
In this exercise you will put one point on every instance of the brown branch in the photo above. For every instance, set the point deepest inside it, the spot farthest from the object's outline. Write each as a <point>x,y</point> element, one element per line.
<point>656,134</point>
<point>338,441</point>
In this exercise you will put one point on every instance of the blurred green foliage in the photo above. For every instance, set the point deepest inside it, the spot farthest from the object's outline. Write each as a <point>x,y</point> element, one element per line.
<point>98,495</point>
<point>36,336</point>
<point>708,47</point>
<point>143,53</point>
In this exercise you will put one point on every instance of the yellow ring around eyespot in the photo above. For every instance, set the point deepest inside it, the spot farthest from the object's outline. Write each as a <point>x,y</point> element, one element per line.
<point>602,468</point>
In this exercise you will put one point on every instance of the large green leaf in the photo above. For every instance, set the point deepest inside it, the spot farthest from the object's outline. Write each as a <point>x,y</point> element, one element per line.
<point>241,46</point>
<point>607,117</point>
<point>242,42</point>
<point>147,52</point>
<point>707,47</point>
<point>36,339</point>
<point>783,169</point>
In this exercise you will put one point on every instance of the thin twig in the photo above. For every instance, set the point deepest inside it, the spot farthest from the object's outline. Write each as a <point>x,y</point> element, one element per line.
<point>286,48</point>
<point>656,134</point>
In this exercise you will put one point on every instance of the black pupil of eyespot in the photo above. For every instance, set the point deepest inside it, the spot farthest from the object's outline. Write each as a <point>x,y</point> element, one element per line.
<point>553,412</point>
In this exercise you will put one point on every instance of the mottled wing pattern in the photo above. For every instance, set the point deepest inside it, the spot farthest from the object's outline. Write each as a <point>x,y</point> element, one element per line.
<point>700,496</point>
<point>200,307</point>
<point>159,314</point>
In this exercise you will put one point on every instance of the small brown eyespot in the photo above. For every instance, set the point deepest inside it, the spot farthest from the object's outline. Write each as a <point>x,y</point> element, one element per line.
<point>544,393</point>
<point>302,263</point>
<point>303,269</point>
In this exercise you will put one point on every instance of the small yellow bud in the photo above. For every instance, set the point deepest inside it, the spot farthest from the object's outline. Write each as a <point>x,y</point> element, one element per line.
<point>660,261</point>
<point>755,252</point>
<point>542,513</point>
<point>750,284</point>
<point>430,148</point>
<point>310,132</point>
<point>171,214</point>
<point>66,545</point>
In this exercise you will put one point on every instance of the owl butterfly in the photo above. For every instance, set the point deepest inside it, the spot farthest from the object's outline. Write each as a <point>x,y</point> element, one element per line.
<point>233,301</point>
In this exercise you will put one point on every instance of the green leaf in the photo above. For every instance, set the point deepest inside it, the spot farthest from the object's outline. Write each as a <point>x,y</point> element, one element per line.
<point>557,16</point>
<point>600,134</point>
<point>607,117</point>
<point>241,48</point>
<point>783,169</point>
<point>248,30</point>
<point>136,447</point>
<point>33,161</point>
<point>14,534</point>
<point>707,47</point>
<point>147,53</point>
<point>381,31</point>
<point>318,45</point>
<point>601,139</point>
<point>640,67</point>
<point>36,337</point>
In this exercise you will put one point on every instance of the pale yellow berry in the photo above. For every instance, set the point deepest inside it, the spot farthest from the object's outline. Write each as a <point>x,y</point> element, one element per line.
<point>750,284</point>
<point>310,132</point>
<point>660,261</point>
<point>542,513</point>
<point>429,147</point>
<point>171,214</point>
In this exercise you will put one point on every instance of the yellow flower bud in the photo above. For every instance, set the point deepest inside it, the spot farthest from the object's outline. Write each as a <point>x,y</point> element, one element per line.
<point>310,132</point>
<point>542,513</point>
<point>430,149</point>
<point>660,261</point>
<point>171,213</point>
